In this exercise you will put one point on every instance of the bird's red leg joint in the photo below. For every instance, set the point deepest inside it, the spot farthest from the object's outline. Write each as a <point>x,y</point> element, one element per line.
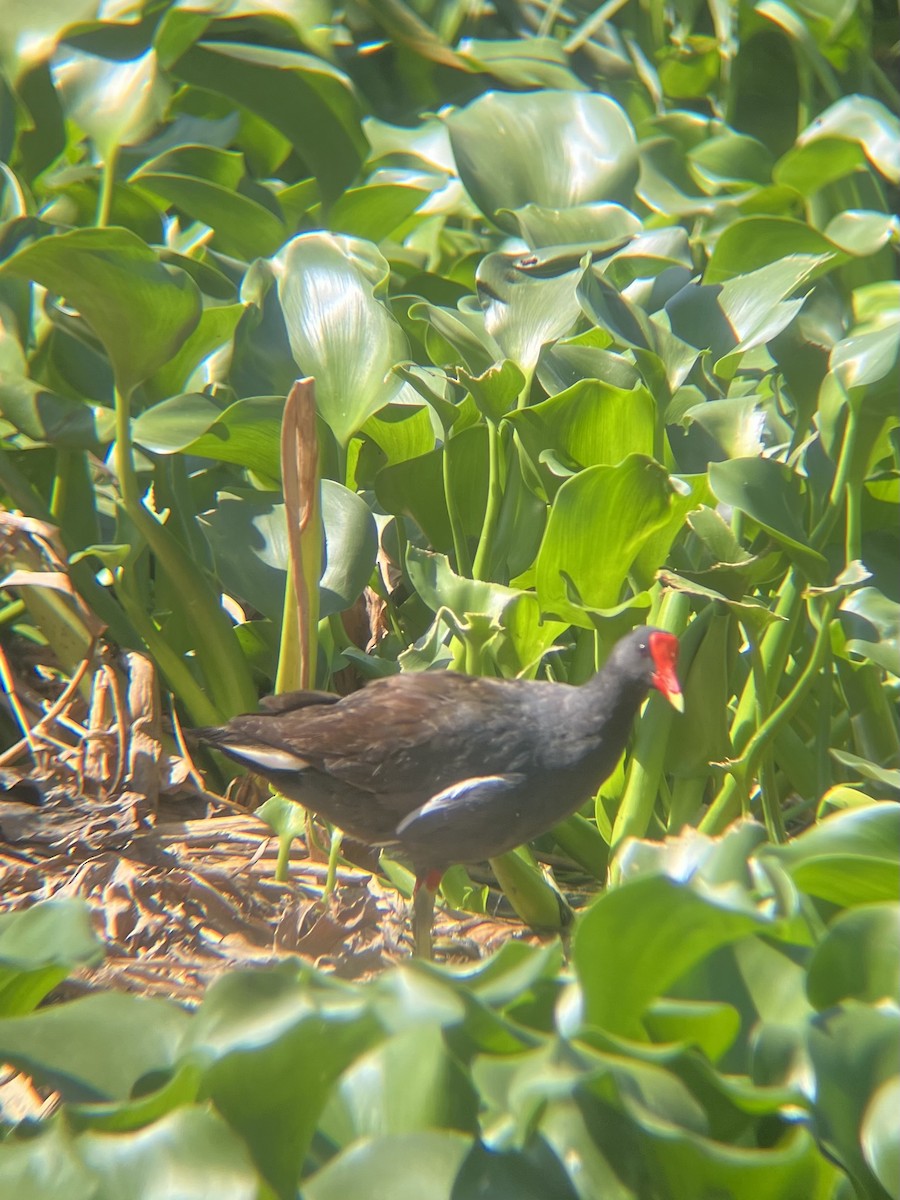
<point>431,881</point>
<point>664,650</point>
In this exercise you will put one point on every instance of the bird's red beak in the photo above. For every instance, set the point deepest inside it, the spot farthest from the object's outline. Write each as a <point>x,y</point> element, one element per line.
<point>664,651</point>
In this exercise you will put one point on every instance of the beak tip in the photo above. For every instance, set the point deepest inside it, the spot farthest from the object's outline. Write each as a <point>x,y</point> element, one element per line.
<point>676,699</point>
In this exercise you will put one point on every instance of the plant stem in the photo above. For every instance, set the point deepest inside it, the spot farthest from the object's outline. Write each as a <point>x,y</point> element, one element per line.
<point>107,188</point>
<point>460,547</point>
<point>282,862</point>
<point>224,666</point>
<point>744,767</point>
<point>482,562</point>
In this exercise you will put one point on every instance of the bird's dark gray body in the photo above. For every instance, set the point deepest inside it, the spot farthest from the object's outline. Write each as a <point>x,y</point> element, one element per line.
<point>449,767</point>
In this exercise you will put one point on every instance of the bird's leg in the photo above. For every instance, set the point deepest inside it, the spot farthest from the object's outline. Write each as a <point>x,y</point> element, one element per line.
<point>334,853</point>
<point>424,893</point>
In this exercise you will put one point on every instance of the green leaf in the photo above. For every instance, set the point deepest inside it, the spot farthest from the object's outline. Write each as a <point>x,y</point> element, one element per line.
<point>848,858</point>
<point>306,99</point>
<point>341,331</point>
<point>853,1050</point>
<point>271,1050</point>
<point>858,959</point>
<point>209,186</point>
<point>878,1135</point>
<point>594,226</point>
<point>248,536</point>
<point>526,305</point>
<point>115,103</point>
<point>675,927</point>
<point>421,1087</point>
<point>45,416</point>
<point>496,390</point>
<point>770,493</point>
<point>69,1045</point>
<point>865,121</point>
<point>599,522</point>
<point>592,423</point>
<point>413,1166</point>
<point>39,946</point>
<point>553,149</point>
<point>755,241</point>
<point>374,211</point>
<point>140,311</point>
<point>187,1152</point>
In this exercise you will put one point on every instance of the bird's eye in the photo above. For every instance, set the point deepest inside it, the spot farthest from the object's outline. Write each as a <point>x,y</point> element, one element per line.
<point>643,647</point>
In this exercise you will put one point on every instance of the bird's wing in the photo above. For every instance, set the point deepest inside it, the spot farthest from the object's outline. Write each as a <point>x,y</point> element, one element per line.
<point>464,821</point>
<point>405,734</point>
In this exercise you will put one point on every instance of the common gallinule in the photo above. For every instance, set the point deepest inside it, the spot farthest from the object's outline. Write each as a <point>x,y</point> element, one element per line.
<point>449,768</point>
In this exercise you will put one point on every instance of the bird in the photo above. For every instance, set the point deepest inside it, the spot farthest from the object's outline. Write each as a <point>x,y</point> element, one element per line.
<point>449,768</point>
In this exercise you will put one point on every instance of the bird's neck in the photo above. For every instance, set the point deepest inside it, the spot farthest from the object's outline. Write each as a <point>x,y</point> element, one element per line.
<point>604,708</point>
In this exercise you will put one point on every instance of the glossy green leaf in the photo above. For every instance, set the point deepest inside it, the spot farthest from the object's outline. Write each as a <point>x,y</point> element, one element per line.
<point>414,1166</point>
<point>755,241</point>
<point>675,927</point>
<point>341,332</point>
<point>271,1050</point>
<point>418,1084</point>
<point>592,226</point>
<point>115,103</point>
<point>39,946</point>
<point>872,623</point>
<point>849,858</point>
<point>853,1050</point>
<point>859,958</point>
<point>599,522</point>
<point>67,1045</point>
<point>191,1150</point>
<point>496,390</point>
<point>770,493</point>
<point>865,121</point>
<point>878,1135</point>
<point>206,185</point>
<point>45,416</point>
<point>592,423</point>
<point>248,537</point>
<point>31,32</point>
<point>305,98</point>
<point>552,149</point>
<point>141,311</point>
<point>526,306</point>
<point>375,211</point>
<point>631,326</point>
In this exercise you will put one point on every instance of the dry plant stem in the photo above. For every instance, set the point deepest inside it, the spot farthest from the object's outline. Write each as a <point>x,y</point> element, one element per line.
<point>9,688</point>
<point>302,500</point>
<point>53,712</point>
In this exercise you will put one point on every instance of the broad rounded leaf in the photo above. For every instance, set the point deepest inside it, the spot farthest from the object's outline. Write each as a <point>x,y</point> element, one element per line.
<point>67,1045</point>
<point>191,1154</point>
<point>879,1136</point>
<point>526,306</point>
<point>552,149</point>
<point>770,493</point>
<point>38,948</point>
<point>340,330</point>
<point>140,310</point>
<point>115,103</point>
<point>637,939</point>
<point>599,522</point>
<point>859,957</point>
